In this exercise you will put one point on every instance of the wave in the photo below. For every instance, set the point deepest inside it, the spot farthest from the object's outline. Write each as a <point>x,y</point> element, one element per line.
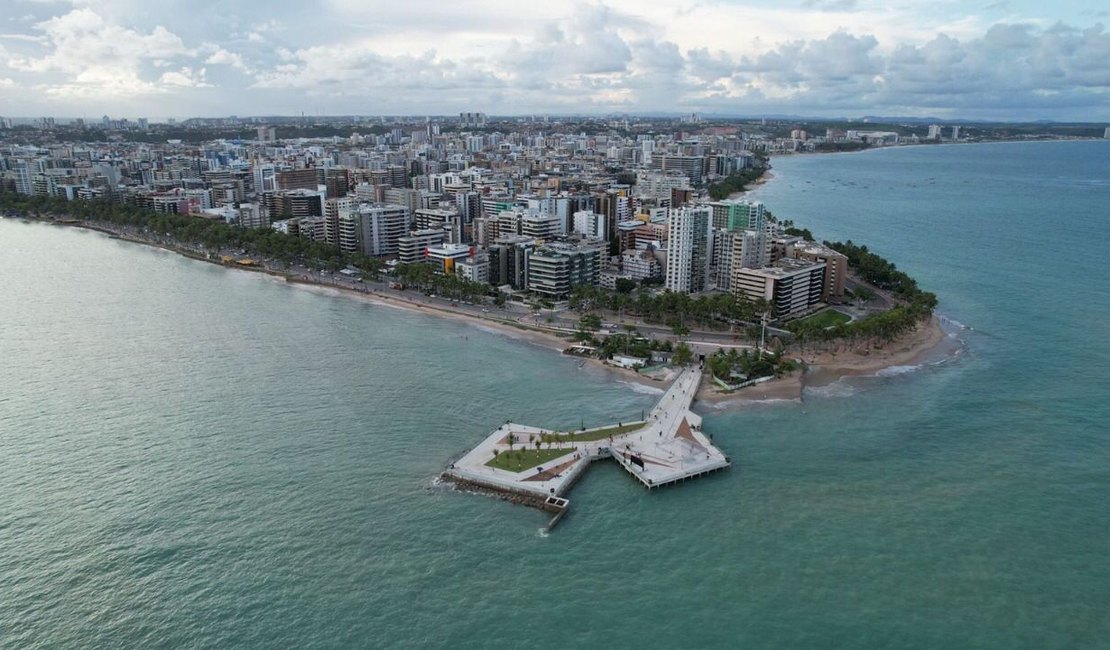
<point>641,388</point>
<point>748,403</point>
<point>494,330</point>
<point>894,371</point>
<point>952,321</point>
<point>838,388</point>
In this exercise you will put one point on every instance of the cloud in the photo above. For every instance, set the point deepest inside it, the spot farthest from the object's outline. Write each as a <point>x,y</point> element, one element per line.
<point>224,57</point>
<point>90,56</point>
<point>82,39</point>
<point>836,57</point>
<point>186,77</point>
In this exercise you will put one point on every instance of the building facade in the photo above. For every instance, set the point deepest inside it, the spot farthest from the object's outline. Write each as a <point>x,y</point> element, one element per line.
<point>688,249</point>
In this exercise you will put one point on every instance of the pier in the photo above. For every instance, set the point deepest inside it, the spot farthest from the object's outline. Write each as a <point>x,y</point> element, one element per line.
<point>667,447</point>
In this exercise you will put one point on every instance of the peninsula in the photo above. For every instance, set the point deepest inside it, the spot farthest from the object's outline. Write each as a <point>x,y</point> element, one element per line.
<point>635,260</point>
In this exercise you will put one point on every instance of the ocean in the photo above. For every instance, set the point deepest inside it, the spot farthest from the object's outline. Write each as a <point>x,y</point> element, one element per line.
<point>194,456</point>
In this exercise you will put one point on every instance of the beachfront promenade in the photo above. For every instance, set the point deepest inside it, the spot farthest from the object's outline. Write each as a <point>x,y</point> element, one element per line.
<point>666,448</point>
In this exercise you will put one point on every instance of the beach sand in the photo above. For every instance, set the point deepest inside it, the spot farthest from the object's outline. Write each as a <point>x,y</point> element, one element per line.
<point>765,177</point>
<point>929,341</point>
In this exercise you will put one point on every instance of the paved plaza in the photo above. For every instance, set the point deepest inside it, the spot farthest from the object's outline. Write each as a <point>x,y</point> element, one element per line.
<point>666,448</point>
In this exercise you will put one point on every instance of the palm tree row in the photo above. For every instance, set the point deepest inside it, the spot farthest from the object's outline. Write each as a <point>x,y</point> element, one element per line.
<point>189,230</point>
<point>711,311</point>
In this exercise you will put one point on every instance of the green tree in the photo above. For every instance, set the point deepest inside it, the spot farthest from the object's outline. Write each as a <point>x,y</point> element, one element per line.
<point>625,285</point>
<point>682,354</point>
<point>589,322</point>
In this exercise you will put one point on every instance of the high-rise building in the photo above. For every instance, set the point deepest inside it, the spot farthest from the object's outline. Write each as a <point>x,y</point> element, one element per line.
<point>298,179</point>
<point>251,215</point>
<point>292,204</point>
<point>381,227</point>
<point>313,228</point>
<point>442,220</point>
<point>349,231</point>
<point>24,175</point>
<point>474,268</point>
<point>640,264</point>
<point>539,226</point>
<point>693,167</point>
<point>333,208</point>
<point>265,178</point>
<point>751,249</point>
<point>836,266</point>
<point>555,269</point>
<point>472,119</point>
<point>508,261</point>
<point>338,182</point>
<point>688,249</point>
<point>412,248</point>
<point>738,215</point>
<point>658,185</point>
<point>792,286</point>
<point>590,224</point>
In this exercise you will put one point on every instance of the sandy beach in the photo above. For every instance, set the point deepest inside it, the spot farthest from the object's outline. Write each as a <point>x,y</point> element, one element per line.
<point>928,341</point>
<point>765,177</point>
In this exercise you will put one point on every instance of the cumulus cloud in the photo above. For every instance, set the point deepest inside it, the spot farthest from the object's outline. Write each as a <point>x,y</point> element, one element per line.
<point>81,39</point>
<point>808,57</point>
<point>89,56</point>
<point>224,57</point>
<point>186,77</point>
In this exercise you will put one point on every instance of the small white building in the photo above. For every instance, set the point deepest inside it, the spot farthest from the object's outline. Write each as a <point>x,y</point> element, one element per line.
<point>628,362</point>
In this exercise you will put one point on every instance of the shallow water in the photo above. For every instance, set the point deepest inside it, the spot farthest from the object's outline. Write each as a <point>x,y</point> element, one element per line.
<point>195,456</point>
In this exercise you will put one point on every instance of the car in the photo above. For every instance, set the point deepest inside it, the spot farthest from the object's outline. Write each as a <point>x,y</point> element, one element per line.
<point>485,311</point>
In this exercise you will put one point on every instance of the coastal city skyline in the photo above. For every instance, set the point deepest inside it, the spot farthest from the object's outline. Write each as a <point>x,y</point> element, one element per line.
<point>1013,61</point>
<point>598,324</point>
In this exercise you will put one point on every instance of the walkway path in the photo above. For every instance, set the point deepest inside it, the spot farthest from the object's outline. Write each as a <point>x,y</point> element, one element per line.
<point>669,447</point>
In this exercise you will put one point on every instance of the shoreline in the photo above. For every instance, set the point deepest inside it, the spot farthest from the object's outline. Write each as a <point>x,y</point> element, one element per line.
<point>789,154</point>
<point>766,177</point>
<point>818,369</point>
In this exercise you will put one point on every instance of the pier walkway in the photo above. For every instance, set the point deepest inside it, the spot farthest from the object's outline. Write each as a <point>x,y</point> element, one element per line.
<point>666,448</point>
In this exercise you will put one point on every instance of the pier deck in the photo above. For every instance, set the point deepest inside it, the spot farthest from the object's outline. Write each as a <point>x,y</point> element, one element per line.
<point>667,448</point>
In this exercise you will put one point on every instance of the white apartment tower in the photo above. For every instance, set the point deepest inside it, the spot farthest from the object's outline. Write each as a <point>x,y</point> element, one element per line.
<point>590,224</point>
<point>688,249</point>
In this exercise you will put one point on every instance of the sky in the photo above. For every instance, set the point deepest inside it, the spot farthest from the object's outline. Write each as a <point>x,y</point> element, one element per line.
<point>971,59</point>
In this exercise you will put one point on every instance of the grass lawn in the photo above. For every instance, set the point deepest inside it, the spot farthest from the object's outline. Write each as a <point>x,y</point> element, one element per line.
<point>599,434</point>
<point>827,318</point>
<point>519,460</point>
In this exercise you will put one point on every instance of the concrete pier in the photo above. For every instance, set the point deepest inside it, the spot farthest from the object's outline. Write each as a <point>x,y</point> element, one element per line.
<point>666,448</point>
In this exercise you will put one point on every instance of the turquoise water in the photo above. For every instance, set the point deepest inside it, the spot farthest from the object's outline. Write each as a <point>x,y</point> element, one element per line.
<point>198,457</point>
